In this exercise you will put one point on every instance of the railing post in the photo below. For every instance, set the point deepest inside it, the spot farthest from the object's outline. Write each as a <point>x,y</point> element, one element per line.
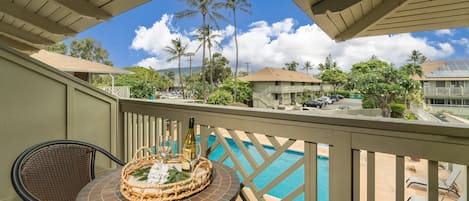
<point>310,171</point>
<point>340,169</point>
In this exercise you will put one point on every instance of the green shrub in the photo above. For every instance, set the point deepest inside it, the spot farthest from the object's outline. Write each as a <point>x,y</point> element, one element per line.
<point>220,97</point>
<point>344,93</point>
<point>369,103</point>
<point>397,110</point>
<point>142,90</point>
<point>410,116</point>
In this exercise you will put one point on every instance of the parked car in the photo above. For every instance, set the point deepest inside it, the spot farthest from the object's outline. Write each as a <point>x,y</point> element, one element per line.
<point>312,103</point>
<point>334,98</point>
<point>327,100</point>
<point>322,101</point>
<point>309,108</point>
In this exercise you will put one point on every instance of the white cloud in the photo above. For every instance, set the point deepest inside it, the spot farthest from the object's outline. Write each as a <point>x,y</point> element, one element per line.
<point>462,42</point>
<point>444,32</point>
<point>265,44</point>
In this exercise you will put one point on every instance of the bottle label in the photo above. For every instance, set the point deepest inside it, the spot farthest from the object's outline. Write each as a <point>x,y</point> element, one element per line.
<point>187,153</point>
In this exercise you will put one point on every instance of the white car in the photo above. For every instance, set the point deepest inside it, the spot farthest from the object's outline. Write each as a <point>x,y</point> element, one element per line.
<point>327,100</point>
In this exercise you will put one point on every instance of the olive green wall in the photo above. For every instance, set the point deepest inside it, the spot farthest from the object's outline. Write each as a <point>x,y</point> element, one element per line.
<point>39,103</point>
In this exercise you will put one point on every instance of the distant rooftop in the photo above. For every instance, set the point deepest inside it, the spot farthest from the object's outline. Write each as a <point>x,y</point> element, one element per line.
<point>446,70</point>
<point>71,64</point>
<point>274,74</point>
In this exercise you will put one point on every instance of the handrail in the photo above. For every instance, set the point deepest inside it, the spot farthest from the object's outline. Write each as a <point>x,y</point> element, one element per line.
<point>346,136</point>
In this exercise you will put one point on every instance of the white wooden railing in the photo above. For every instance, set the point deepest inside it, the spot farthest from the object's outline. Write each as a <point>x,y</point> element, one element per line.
<point>350,141</point>
<point>292,88</point>
<point>119,91</point>
<point>446,92</point>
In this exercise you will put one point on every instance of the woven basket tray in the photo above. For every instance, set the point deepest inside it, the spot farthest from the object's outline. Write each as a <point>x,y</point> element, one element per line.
<point>200,178</point>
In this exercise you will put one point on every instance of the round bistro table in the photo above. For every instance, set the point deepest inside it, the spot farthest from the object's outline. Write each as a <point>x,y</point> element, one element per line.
<point>225,186</point>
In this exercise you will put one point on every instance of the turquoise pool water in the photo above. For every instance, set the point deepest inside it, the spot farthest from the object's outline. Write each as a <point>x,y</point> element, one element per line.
<point>291,183</point>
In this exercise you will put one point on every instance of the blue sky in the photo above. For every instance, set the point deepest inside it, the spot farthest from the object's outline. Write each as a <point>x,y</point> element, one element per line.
<point>277,32</point>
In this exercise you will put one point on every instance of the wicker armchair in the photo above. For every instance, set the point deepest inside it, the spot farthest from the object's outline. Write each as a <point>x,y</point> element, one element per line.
<point>55,170</point>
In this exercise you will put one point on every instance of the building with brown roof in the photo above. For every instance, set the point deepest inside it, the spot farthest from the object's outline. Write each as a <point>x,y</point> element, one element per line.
<point>80,68</point>
<point>273,87</point>
<point>445,82</point>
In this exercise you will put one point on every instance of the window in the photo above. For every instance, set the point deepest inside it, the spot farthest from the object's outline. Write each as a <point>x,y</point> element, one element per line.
<point>426,84</point>
<point>275,96</point>
<point>303,83</point>
<point>438,101</point>
<point>277,82</point>
<point>292,83</point>
<point>457,84</point>
<point>456,102</point>
<point>440,83</point>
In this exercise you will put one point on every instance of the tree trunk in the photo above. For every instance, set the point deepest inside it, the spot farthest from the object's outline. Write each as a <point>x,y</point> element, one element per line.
<point>180,77</point>
<point>210,66</point>
<point>236,60</point>
<point>204,95</point>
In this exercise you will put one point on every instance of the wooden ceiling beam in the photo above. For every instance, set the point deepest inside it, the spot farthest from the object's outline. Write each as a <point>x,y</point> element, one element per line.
<point>373,17</point>
<point>24,35</point>
<point>333,6</point>
<point>23,47</point>
<point>34,19</point>
<point>84,9</point>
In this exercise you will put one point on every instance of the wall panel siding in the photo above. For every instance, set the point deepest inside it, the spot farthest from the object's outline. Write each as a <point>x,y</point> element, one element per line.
<point>39,103</point>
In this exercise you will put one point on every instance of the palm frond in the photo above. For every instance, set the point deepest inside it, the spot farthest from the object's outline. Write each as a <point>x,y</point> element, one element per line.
<point>186,14</point>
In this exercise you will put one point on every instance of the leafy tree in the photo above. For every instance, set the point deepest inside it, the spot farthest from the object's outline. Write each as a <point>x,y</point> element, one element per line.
<point>220,69</point>
<point>379,80</point>
<point>244,90</point>
<point>292,65</point>
<point>307,66</point>
<point>170,75</point>
<point>59,47</point>
<point>235,5</point>
<point>242,74</point>
<point>207,8</point>
<point>220,97</point>
<point>90,50</point>
<point>142,80</point>
<point>177,50</point>
<point>336,77</point>
<point>142,90</point>
<point>328,64</point>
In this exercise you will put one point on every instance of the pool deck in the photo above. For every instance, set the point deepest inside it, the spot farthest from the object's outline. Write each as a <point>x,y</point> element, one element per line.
<point>384,172</point>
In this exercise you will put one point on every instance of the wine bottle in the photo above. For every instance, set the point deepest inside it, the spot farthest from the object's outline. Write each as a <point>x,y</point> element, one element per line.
<point>189,147</point>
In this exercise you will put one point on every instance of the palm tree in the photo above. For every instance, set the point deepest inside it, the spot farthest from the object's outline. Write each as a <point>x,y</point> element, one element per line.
<point>416,58</point>
<point>207,8</point>
<point>234,5</point>
<point>177,51</point>
<point>211,41</point>
<point>307,66</point>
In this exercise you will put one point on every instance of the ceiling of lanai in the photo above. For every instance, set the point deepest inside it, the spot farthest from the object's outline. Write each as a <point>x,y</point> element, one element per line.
<point>29,25</point>
<point>346,19</point>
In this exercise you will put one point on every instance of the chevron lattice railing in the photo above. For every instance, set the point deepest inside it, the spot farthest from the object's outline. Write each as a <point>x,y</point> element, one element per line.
<point>254,142</point>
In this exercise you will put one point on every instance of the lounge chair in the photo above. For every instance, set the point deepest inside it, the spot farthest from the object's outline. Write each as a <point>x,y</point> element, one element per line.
<point>448,185</point>
<point>421,198</point>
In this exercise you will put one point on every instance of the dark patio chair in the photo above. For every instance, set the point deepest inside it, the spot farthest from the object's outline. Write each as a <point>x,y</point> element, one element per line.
<point>55,170</point>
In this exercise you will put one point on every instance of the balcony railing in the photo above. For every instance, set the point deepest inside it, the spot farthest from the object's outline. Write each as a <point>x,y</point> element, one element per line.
<point>349,140</point>
<point>119,91</point>
<point>292,88</point>
<point>446,92</point>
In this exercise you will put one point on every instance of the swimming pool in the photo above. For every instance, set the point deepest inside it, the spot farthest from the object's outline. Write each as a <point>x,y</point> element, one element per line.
<point>288,158</point>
